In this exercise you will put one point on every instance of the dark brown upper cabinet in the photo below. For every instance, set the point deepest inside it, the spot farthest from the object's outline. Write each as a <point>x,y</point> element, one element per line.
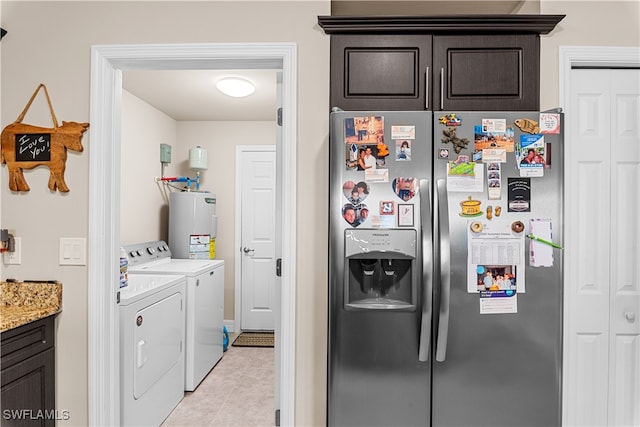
<point>486,72</point>
<point>461,62</point>
<point>380,72</point>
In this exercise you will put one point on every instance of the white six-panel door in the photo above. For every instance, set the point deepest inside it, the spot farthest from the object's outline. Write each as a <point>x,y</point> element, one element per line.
<point>602,253</point>
<point>258,175</point>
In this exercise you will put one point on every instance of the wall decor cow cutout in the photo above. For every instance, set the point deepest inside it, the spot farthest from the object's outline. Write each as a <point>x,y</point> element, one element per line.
<point>26,146</point>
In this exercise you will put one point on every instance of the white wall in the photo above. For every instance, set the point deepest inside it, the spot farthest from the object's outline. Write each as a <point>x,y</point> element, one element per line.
<point>144,208</point>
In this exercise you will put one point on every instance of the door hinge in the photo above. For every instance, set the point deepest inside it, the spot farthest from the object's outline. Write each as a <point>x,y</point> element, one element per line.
<point>279,267</point>
<point>118,297</point>
<point>279,116</point>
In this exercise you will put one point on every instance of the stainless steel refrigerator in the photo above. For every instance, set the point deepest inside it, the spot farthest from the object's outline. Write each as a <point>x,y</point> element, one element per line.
<point>445,269</point>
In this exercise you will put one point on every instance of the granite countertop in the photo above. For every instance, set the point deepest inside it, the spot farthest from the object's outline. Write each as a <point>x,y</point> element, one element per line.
<point>24,302</point>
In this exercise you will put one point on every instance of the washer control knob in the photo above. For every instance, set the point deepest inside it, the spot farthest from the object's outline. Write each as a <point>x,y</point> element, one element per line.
<point>151,250</point>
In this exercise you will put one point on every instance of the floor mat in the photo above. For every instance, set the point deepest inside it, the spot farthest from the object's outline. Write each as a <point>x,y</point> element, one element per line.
<point>254,339</point>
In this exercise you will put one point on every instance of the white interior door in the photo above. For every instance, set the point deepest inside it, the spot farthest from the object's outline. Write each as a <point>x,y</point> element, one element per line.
<point>258,249</point>
<point>602,357</point>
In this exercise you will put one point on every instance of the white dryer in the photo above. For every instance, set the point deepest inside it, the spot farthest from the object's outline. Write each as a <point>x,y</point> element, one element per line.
<point>205,303</point>
<point>152,356</point>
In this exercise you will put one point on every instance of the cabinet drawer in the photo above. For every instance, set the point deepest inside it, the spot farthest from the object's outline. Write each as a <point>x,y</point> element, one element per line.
<point>25,341</point>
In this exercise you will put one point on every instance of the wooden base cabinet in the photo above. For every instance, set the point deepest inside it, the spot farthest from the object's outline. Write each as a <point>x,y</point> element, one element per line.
<point>464,63</point>
<point>28,375</point>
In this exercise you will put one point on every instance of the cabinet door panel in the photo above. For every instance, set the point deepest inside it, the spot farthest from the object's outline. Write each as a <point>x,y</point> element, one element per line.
<point>380,72</point>
<point>369,72</point>
<point>28,391</point>
<point>488,72</point>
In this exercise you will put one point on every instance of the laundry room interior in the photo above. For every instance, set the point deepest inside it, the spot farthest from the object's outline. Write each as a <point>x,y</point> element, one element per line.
<point>168,153</point>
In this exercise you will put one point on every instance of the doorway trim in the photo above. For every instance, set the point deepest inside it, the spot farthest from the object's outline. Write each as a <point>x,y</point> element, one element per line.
<point>569,57</point>
<point>237,314</point>
<point>107,64</point>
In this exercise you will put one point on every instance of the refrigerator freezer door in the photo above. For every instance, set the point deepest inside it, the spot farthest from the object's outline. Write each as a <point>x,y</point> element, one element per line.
<point>374,375</point>
<point>500,369</point>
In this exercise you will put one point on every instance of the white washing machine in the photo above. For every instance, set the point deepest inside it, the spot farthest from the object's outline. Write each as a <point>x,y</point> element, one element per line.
<point>205,303</point>
<point>152,355</point>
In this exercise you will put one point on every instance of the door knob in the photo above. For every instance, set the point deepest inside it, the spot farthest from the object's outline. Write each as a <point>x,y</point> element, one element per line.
<point>630,316</point>
<point>246,250</point>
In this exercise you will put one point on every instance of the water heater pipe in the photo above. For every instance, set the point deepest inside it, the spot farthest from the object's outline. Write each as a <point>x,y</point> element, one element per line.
<point>181,179</point>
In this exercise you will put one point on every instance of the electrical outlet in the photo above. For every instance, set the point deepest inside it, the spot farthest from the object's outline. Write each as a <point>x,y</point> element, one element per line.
<point>14,257</point>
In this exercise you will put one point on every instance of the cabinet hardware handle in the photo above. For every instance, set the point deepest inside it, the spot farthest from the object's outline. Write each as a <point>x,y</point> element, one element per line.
<point>441,88</point>
<point>426,89</point>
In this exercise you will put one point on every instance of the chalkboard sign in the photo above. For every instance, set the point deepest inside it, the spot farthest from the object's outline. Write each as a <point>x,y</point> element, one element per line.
<point>33,147</point>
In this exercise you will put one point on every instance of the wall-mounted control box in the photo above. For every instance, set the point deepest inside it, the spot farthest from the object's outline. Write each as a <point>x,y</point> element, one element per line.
<point>165,153</point>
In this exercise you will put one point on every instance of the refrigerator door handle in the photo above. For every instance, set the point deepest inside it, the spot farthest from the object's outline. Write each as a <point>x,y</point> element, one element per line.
<point>427,274</point>
<point>445,270</point>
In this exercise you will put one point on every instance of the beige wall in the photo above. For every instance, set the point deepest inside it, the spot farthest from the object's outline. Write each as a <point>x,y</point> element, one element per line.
<point>588,23</point>
<point>49,42</point>
<point>433,7</point>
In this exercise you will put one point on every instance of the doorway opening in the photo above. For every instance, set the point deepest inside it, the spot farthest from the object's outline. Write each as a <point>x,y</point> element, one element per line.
<point>107,64</point>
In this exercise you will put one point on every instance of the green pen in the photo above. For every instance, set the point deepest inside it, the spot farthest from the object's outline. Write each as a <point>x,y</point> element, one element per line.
<point>546,242</point>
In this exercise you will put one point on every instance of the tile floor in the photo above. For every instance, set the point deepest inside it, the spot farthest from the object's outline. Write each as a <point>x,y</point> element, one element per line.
<point>239,391</point>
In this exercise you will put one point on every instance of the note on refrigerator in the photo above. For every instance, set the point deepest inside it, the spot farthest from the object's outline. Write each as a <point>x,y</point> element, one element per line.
<point>540,254</point>
<point>498,302</point>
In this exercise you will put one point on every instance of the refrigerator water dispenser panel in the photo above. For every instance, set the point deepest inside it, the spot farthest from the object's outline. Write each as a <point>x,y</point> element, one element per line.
<point>381,271</point>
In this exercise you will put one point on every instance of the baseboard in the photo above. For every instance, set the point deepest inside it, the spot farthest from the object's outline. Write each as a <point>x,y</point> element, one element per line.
<point>230,324</point>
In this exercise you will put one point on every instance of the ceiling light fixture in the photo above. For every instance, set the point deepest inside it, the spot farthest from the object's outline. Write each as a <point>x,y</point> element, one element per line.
<point>235,87</point>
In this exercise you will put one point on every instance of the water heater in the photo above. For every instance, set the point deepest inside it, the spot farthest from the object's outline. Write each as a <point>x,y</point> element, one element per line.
<point>193,224</point>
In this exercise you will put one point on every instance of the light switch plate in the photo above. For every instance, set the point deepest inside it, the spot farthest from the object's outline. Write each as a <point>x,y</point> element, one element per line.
<point>15,257</point>
<point>73,251</point>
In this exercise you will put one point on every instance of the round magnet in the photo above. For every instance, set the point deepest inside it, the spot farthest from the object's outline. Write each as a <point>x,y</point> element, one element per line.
<point>517,226</point>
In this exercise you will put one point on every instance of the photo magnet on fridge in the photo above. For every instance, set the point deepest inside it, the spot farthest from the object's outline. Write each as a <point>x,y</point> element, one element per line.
<point>502,139</point>
<point>355,193</point>
<point>364,141</point>
<point>403,149</point>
